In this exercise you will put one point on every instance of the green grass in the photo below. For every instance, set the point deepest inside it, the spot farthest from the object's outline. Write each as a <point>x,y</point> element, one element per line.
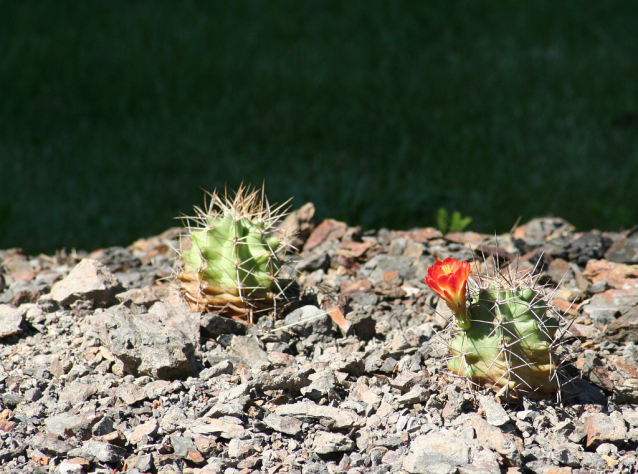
<point>113,114</point>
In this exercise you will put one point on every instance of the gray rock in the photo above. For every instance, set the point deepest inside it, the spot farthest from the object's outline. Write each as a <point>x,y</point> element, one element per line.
<point>333,418</point>
<point>323,385</point>
<point>292,379</point>
<point>309,320</point>
<point>144,346</point>
<point>50,443</point>
<point>61,424</point>
<point>144,463</point>
<point>494,412</point>
<point>88,281</point>
<point>326,443</point>
<point>284,424</point>
<point>624,251</point>
<point>375,268</point>
<point>11,320</point>
<point>249,350</point>
<point>217,325</point>
<point>223,367</point>
<point>442,447</point>
<point>418,394</point>
<point>102,452</point>
<point>103,426</point>
<point>601,428</point>
<point>76,393</point>
<point>181,445</point>
<point>12,399</point>
<point>130,393</point>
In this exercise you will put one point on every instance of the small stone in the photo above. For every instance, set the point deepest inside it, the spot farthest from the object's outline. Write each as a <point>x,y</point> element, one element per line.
<point>326,443</point>
<point>624,251</point>
<point>432,448</point>
<point>144,346</point>
<point>182,445</point>
<point>77,392</point>
<point>73,466</point>
<point>217,325</point>
<point>50,443</point>
<point>10,320</point>
<point>417,394</point>
<point>102,452</point>
<point>601,428</point>
<point>406,380</point>
<point>145,429</point>
<point>284,424</point>
<point>362,393</point>
<point>333,418</point>
<point>144,463</point>
<point>249,349</point>
<point>103,427</point>
<point>88,281</point>
<point>130,393</point>
<point>494,412</point>
<point>223,367</point>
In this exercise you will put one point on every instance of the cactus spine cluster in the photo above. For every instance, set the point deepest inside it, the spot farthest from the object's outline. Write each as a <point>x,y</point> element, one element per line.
<point>508,335</point>
<point>231,256</point>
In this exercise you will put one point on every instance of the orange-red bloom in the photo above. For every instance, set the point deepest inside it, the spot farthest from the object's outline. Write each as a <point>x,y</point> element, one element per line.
<point>449,278</point>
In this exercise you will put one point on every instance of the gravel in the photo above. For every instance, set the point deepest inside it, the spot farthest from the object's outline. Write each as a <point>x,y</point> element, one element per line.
<point>104,369</point>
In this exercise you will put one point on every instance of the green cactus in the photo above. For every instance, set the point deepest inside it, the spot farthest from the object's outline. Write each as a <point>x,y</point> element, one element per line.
<point>231,256</point>
<point>511,339</point>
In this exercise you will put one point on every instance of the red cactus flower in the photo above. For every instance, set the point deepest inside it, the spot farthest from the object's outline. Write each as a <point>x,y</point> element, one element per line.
<point>449,278</point>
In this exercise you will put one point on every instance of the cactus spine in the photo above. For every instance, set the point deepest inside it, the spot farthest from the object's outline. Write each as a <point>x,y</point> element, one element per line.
<point>231,255</point>
<point>507,336</point>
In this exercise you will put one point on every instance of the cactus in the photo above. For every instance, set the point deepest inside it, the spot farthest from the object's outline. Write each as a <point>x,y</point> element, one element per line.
<point>507,337</point>
<point>231,256</point>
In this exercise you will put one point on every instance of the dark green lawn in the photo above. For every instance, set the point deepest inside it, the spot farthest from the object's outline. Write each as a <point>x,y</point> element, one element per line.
<point>113,114</point>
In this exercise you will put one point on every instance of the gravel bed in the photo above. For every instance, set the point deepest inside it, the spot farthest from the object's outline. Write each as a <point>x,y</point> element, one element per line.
<point>104,369</point>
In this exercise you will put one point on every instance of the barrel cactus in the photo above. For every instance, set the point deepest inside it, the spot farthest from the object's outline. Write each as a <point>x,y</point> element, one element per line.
<point>507,336</point>
<point>231,256</point>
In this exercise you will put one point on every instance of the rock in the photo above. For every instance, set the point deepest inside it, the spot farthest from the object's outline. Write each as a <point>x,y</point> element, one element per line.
<point>142,430</point>
<point>326,443</point>
<point>76,393</point>
<point>103,426</point>
<point>73,466</point>
<point>601,428</point>
<point>505,442</point>
<point>309,320</point>
<point>333,418</point>
<point>417,394</point>
<point>328,230</point>
<point>144,346</point>
<point>436,448</point>
<point>249,350</point>
<point>217,325</point>
<point>102,452</point>
<point>63,423</point>
<point>219,427</point>
<point>130,393</point>
<point>284,424</point>
<point>11,320</point>
<point>323,385</point>
<point>51,444</point>
<point>624,251</point>
<point>494,412</point>
<point>140,296</point>
<point>407,380</point>
<point>89,281</point>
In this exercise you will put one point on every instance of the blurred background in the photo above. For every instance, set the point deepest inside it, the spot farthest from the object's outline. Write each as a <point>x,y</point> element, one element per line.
<point>115,114</point>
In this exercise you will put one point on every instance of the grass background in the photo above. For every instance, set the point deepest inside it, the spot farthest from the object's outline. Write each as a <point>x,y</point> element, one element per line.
<point>113,114</point>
